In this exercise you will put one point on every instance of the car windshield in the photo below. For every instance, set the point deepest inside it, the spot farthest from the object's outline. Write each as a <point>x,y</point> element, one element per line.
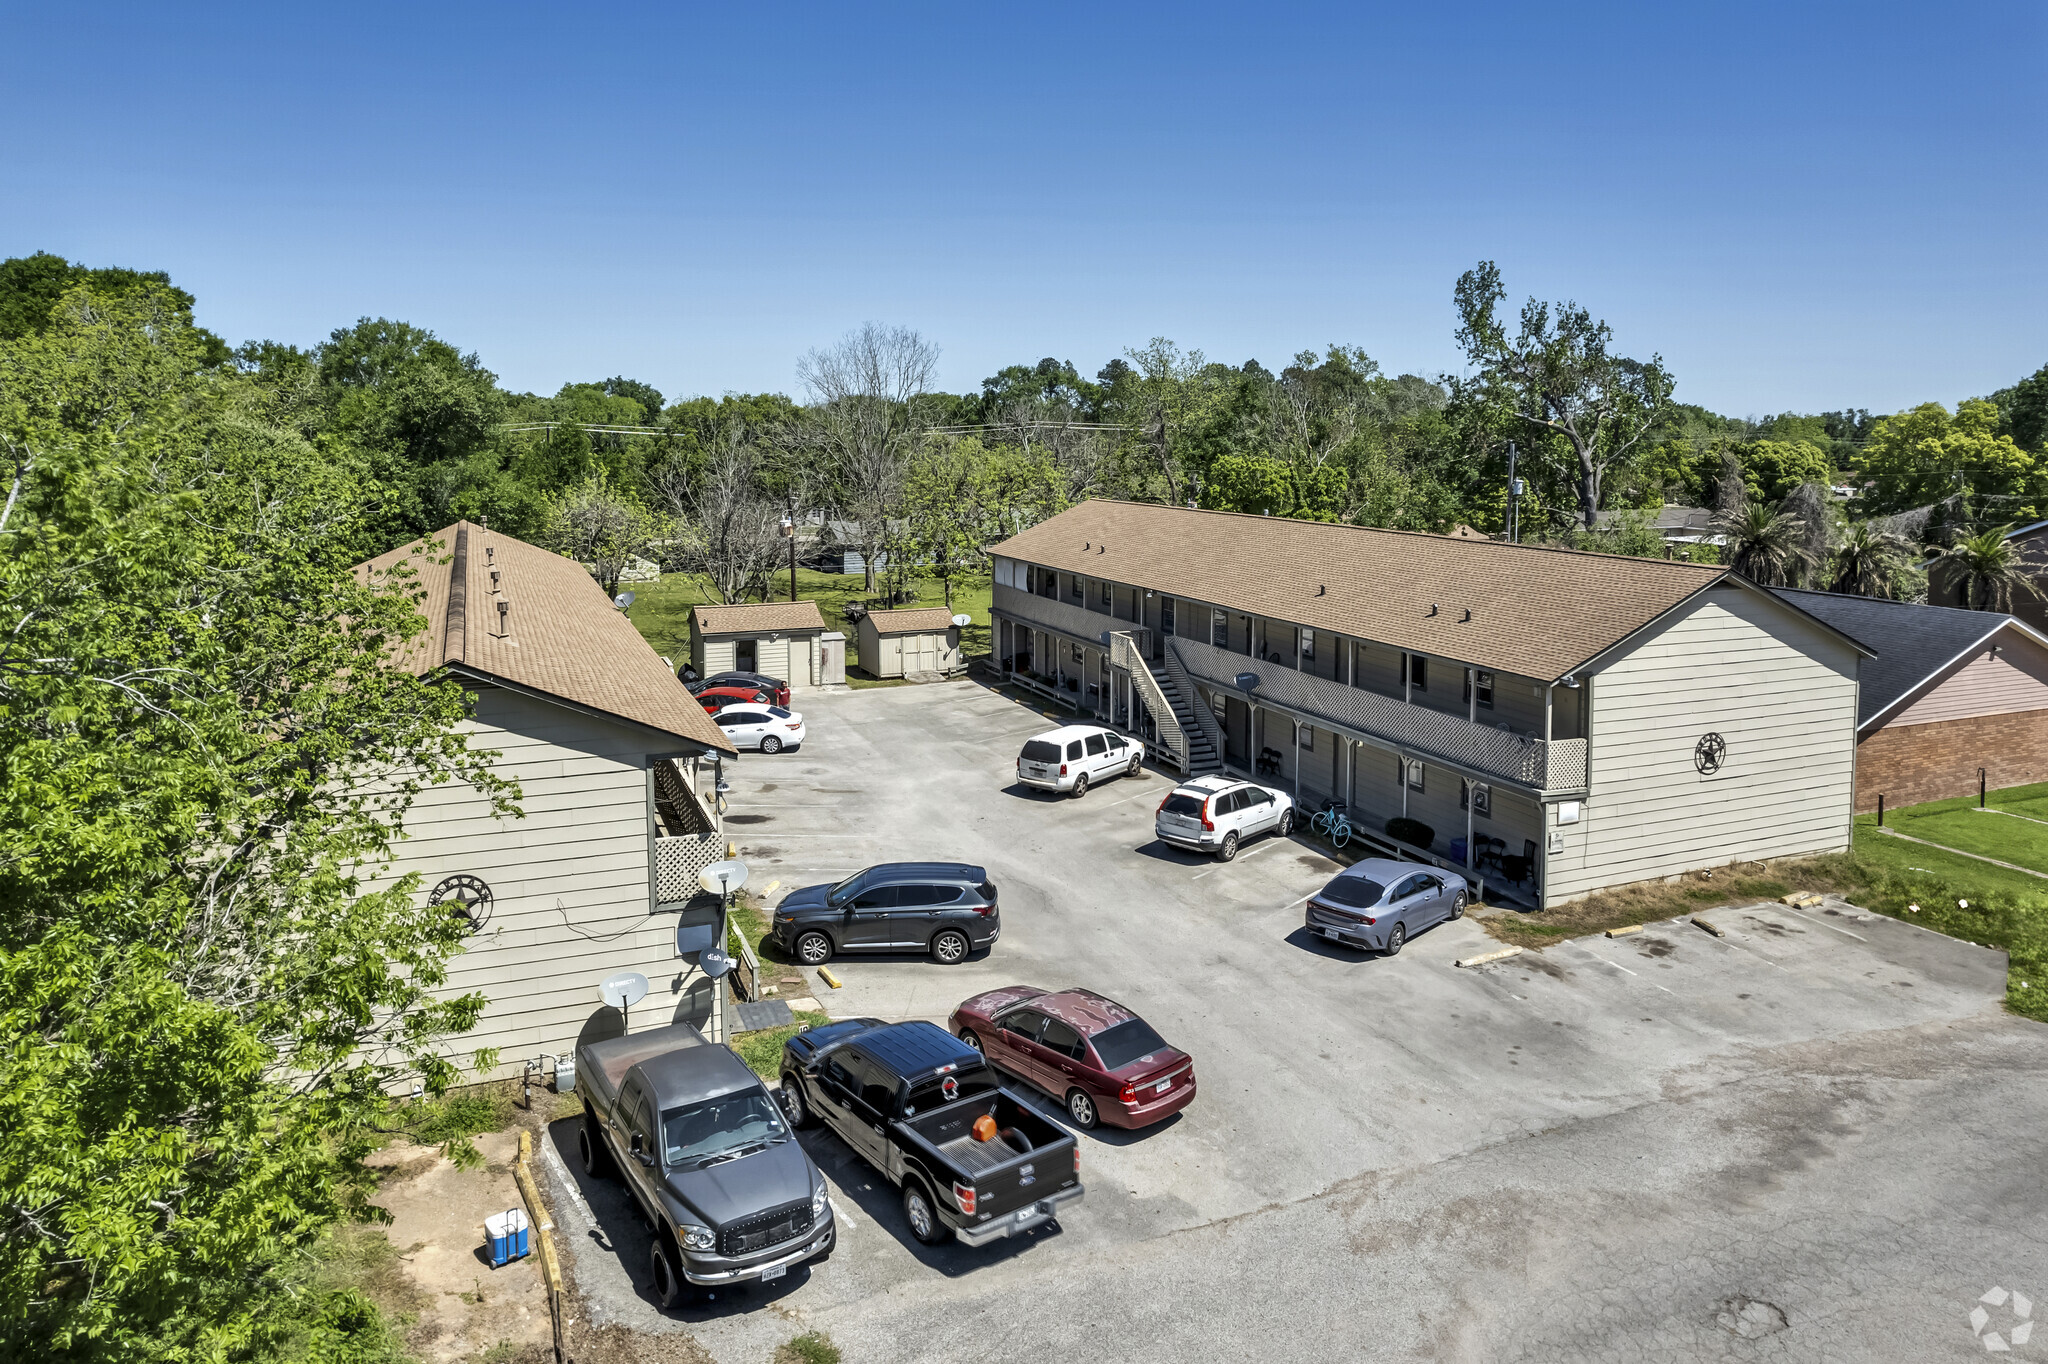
<point>1178,804</point>
<point>723,1127</point>
<point>847,887</point>
<point>1126,1042</point>
<point>931,1093</point>
<point>1039,751</point>
<point>1355,891</point>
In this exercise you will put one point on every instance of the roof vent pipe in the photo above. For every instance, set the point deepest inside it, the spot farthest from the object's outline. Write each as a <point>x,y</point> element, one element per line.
<point>1432,608</point>
<point>1467,616</point>
<point>504,607</point>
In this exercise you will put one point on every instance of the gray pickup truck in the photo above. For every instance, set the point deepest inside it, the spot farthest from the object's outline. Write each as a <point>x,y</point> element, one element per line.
<point>707,1155</point>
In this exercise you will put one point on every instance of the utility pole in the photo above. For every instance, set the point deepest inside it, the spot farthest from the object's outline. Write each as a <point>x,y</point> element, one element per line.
<point>789,530</point>
<point>1514,499</point>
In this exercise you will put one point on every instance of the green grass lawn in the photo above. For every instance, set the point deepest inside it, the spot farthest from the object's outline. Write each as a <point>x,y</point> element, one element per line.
<point>1961,825</point>
<point>661,610</point>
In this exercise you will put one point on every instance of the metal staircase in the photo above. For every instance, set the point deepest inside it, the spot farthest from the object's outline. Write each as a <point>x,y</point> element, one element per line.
<point>1201,745</point>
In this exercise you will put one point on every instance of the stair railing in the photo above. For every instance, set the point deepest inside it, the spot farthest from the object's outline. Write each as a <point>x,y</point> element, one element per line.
<point>1125,653</point>
<point>1204,717</point>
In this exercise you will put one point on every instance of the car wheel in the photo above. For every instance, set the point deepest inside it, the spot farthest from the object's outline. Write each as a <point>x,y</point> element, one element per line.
<point>590,1145</point>
<point>668,1279</point>
<point>950,948</point>
<point>770,744</point>
<point>814,949</point>
<point>1286,823</point>
<point>922,1213</point>
<point>1136,764</point>
<point>1458,905</point>
<point>1229,848</point>
<point>1080,786</point>
<point>1081,1108</point>
<point>793,1106</point>
<point>968,1036</point>
<point>1396,938</point>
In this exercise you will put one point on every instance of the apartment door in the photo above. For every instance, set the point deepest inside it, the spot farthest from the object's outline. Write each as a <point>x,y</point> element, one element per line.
<point>1165,629</point>
<point>743,652</point>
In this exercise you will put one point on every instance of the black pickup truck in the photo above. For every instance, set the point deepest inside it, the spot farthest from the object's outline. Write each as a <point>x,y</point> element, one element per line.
<point>705,1153</point>
<point>908,1097</point>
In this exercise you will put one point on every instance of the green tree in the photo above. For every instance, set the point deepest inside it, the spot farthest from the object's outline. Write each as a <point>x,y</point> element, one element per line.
<point>949,504</point>
<point>1870,561</point>
<point>2023,411</point>
<point>1992,568</point>
<point>598,524</point>
<point>1774,468</point>
<point>1559,382</point>
<point>1924,456</point>
<point>1765,543</point>
<point>208,978</point>
<point>31,286</point>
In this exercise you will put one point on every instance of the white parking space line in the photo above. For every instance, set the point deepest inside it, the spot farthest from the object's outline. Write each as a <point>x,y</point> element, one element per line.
<point>1240,857</point>
<point>839,1212</point>
<point>1619,967</point>
<point>1843,931</point>
<point>1136,795</point>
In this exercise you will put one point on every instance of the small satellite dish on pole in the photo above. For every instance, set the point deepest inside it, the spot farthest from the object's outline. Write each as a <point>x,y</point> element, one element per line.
<point>963,619</point>
<point>1247,681</point>
<point>623,600</point>
<point>723,878</point>
<point>714,962</point>
<point>622,992</point>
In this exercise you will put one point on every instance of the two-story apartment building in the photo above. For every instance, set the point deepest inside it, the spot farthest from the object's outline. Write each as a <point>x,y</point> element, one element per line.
<point>611,754</point>
<point>1562,721</point>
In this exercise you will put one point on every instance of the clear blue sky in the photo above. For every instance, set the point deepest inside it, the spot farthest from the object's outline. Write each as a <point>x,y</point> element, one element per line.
<point>1799,206</point>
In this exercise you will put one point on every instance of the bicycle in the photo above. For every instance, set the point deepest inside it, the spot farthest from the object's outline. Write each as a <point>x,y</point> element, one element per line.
<point>1326,818</point>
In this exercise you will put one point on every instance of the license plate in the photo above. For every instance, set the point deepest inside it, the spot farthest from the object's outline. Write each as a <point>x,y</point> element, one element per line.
<point>1332,935</point>
<point>1026,1214</point>
<point>1162,1086</point>
<point>774,1272</point>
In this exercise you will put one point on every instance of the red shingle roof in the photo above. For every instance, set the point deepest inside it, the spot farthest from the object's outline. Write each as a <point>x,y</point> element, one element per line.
<point>560,635</point>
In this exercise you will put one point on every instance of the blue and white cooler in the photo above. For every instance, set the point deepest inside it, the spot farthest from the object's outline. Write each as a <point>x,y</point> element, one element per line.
<point>506,1233</point>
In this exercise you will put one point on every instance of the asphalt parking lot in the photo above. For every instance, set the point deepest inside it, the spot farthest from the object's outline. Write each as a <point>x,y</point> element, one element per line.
<point>1821,1127</point>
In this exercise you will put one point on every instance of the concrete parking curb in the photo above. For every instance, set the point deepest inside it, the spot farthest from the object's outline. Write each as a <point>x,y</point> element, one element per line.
<point>1486,957</point>
<point>1698,922</point>
<point>1624,931</point>
<point>828,977</point>
<point>543,1229</point>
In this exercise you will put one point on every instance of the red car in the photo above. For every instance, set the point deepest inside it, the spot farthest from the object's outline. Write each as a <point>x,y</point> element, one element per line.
<point>1104,1061</point>
<point>715,699</point>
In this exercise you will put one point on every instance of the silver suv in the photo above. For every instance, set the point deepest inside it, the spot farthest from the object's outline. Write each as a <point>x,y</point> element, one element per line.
<point>1216,814</point>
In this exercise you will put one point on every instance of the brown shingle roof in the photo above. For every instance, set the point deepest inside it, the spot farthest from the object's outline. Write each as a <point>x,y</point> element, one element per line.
<point>560,635</point>
<point>758,618</point>
<point>912,621</point>
<point>1536,611</point>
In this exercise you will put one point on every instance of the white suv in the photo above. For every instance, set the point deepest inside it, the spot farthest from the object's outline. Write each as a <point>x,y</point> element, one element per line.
<point>1074,756</point>
<point>1216,814</point>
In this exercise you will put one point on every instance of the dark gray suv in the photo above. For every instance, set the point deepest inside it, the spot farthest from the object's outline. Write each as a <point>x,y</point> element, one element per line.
<point>945,908</point>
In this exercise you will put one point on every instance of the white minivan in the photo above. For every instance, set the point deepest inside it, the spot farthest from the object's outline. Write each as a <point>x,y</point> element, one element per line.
<point>1073,757</point>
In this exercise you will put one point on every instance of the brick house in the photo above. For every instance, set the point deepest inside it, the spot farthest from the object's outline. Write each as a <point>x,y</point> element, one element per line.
<point>1950,691</point>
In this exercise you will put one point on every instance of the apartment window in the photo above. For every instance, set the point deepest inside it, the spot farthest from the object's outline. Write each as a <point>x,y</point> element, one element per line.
<point>1477,797</point>
<point>1411,772</point>
<point>1077,653</point>
<point>1219,629</point>
<point>1482,683</point>
<point>1418,671</point>
<point>1305,640</point>
<point>1219,703</point>
<point>1305,735</point>
<point>1076,592</point>
<point>1105,596</point>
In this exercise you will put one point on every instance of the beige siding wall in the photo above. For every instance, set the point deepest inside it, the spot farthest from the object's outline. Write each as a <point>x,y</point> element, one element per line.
<point>1779,690</point>
<point>579,856</point>
<point>2013,680</point>
<point>717,657</point>
<point>774,659</point>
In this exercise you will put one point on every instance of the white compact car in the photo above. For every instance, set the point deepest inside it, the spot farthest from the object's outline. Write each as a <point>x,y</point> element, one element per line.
<point>768,728</point>
<point>1216,814</point>
<point>1073,757</point>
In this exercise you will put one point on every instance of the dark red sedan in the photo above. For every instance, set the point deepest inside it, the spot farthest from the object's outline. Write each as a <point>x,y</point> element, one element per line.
<point>1104,1061</point>
<point>715,699</point>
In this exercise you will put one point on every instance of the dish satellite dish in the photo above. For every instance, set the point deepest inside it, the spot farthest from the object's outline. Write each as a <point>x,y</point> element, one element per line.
<point>623,600</point>
<point>1247,681</point>
<point>963,619</point>
<point>723,878</point>
<point>622,992</point>
<point>714,962</point>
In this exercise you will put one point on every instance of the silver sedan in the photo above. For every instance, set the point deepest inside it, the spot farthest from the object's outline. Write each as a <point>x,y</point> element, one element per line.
<point>1379,904</point>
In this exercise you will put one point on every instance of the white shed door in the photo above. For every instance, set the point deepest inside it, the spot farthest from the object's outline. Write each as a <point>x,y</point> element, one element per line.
<point>774,656</point>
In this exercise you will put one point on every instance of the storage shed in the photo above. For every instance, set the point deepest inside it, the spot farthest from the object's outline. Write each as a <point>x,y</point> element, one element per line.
<point>904,643</point>
<point>777,638</point>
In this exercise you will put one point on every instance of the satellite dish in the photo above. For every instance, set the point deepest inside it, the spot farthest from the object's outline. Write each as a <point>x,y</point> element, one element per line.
<point>963,619</point>
<point>1247,681</point>
<point>722,878</point>
<point>623,600</point>
<point>714,963</point>
<point>623,990</point>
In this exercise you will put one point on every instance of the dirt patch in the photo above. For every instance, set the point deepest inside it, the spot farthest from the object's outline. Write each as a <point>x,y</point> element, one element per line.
<point>1651,901</point>
<point>617,1345</point>
<point>1655,947</point>
<point>1314,862</point>
<point>1775,929</point>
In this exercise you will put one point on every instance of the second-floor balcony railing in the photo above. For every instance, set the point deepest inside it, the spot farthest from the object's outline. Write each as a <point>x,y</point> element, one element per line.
<point>1061,615</point>
<point>1553,765</point>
